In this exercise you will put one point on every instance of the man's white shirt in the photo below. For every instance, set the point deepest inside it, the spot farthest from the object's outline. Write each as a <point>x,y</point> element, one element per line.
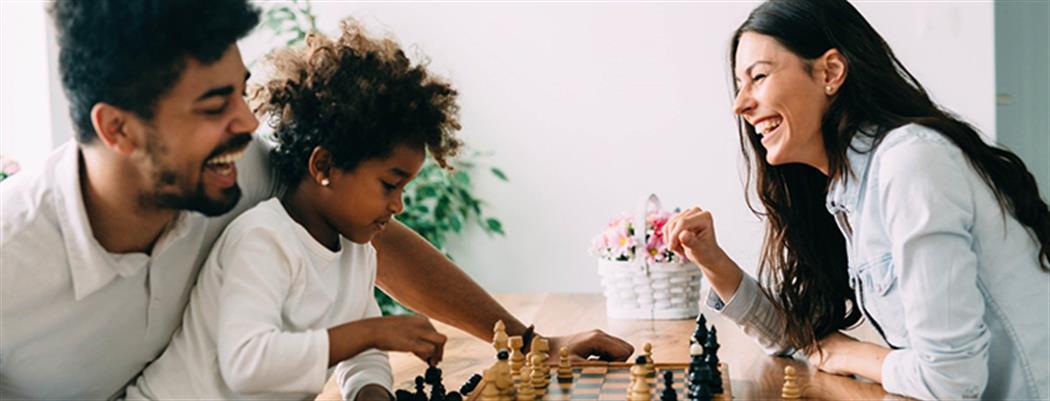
<point>76,321</point>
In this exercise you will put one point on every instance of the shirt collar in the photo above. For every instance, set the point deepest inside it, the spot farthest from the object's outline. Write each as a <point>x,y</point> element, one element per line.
<point>845,192</point>
<point>90,265</point>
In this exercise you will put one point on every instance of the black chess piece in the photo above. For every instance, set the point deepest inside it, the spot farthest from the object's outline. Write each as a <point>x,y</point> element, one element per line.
<point>421,394</point>
<point>502,355</point>
<point>695,361</point>
<point>669,394</point>
<point>404,395</point>
<point>470,385</point>
<point>699,380</point>
<point>711,347</point>
<point>711,344</point>
<point>453,396</point>
<point>711,362</point>
<point>437,392</point>
<point>432,375</point>
<point>700,334</point>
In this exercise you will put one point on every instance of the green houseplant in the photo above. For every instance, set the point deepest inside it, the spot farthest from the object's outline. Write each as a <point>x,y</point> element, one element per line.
<point>438,203</point>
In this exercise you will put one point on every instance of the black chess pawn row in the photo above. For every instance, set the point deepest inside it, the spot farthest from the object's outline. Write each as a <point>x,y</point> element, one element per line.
<point>432,376</point>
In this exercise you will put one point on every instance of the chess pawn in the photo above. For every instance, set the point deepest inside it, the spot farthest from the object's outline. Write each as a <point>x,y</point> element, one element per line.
<point>489,392</point>
<point>517,359</point>
<point>525,392</point>
<point>669,394</point>
<point>525,374</point>
<point>640,389</point>
<point>540,374</point>
<point>650,366</point>
<point>542,348</point>
<point>499,336</point>
<point>564,367</point>
<point>420,393</point>
<point>791,390</point>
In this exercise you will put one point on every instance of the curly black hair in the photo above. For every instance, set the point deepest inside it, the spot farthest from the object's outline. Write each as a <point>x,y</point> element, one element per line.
<point>130,53</point>
<point>357,97</point>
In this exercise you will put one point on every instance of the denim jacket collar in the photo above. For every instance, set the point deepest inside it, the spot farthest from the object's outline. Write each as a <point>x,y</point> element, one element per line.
<point>844,193</point>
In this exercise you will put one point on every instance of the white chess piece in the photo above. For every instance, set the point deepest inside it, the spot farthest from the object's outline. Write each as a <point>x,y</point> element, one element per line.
<point>791,390</point>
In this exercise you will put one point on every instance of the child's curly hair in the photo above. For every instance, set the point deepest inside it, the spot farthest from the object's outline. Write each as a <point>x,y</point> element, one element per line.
<point>358,97</point>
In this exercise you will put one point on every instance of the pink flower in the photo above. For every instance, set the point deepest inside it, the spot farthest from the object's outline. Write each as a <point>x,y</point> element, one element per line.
<point>9,166</point>
<point>618,242</point>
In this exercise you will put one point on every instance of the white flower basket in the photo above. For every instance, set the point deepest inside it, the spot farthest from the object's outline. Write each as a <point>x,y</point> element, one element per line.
<point>637,289</point>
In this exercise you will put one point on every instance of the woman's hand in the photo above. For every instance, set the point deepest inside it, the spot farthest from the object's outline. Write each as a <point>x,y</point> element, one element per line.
<point>691,234</point>
<point>840,354</point>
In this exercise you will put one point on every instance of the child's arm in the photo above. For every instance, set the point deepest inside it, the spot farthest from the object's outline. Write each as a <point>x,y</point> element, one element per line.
<point>369,367</point>
<point>254,354</point>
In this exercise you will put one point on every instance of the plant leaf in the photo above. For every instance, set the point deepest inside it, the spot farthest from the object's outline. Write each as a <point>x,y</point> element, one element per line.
<point>499,174</point>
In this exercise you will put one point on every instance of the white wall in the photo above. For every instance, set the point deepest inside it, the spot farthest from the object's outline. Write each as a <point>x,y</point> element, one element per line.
<point>589,106</point>
<point>25,114</point>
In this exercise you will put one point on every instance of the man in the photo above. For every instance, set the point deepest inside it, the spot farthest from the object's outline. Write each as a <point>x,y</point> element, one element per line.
<point>101,248</point>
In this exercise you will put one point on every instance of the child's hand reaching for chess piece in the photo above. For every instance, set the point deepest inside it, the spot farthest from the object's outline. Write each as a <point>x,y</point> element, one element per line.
<point>412,334</point>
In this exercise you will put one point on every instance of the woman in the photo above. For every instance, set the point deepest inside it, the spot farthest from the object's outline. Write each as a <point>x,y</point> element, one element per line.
<point>879,205</point>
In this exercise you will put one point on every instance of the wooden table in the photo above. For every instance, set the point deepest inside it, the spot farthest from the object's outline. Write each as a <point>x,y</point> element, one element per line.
<point>754,374</point>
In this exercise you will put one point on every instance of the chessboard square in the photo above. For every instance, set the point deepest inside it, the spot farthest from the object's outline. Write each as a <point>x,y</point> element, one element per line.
<point>559,388</point>
<point>616,386</point>
<point>558,397</point>
<point>618,380</point>
<point>588,385</point>
<point>589,396</point>
<point>613,397</point>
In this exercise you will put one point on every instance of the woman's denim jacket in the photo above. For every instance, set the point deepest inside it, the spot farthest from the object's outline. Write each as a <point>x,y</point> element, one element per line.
<point>952,284</point>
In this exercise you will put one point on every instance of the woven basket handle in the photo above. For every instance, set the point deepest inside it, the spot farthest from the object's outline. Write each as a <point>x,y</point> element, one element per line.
<point>640,226</point>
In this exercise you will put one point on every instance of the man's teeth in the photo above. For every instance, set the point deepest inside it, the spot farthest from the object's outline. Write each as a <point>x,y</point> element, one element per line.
<point>764,126</point>
<point>226,158</point>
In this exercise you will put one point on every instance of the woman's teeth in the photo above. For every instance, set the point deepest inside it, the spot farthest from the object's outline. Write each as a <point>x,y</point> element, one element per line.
<point>765,126</point>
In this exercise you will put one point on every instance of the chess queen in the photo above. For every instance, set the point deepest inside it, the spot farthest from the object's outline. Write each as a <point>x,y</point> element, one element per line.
<point>879,204</point>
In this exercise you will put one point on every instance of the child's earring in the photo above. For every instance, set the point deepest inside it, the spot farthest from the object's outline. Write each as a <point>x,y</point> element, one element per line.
<point>325,182</point>
<point>829,89</point>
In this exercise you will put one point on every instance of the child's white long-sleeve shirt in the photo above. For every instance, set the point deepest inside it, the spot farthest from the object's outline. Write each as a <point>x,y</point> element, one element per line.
<point>256,326</point>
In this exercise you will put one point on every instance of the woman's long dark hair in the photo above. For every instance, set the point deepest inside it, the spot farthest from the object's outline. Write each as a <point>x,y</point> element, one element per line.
<point>803,263</point>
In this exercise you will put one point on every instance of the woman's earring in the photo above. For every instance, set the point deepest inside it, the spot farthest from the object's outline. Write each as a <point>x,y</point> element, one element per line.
<point>829,89</point>
<point>325,182</point>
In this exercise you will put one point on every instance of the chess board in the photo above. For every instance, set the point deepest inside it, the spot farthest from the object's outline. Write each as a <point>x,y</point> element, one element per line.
<point>608,381</point>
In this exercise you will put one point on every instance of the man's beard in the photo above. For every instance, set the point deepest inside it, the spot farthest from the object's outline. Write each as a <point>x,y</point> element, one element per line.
<point>197,200</point>
<point>166,182</point>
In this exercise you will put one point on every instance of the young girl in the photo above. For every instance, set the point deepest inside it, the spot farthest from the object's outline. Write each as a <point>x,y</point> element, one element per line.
<point>879,204</point>
<point>287,292</point>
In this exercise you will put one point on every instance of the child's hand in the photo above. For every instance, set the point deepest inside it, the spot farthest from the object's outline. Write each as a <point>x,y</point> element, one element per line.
<point>412,334</point>
<point>373,392</point>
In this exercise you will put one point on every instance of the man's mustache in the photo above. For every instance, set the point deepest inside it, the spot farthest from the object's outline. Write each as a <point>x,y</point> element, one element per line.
<point>238,142</point>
